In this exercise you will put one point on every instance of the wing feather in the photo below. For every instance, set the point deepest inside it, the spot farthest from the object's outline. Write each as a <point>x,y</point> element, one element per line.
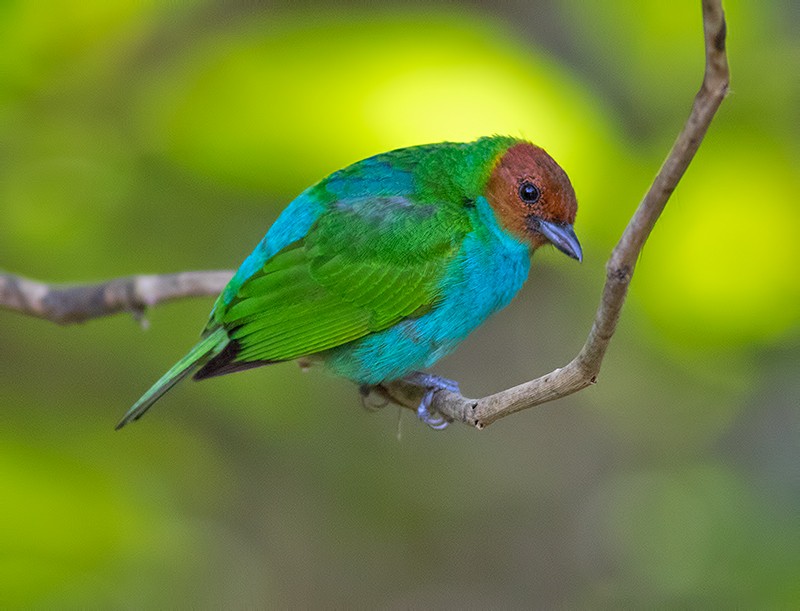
<point>364,266</point>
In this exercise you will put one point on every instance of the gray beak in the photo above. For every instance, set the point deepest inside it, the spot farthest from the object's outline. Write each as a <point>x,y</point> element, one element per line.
<point>562,236</point>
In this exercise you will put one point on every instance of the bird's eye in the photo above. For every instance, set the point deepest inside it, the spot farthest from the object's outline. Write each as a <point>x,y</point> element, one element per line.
<point>529,192</point>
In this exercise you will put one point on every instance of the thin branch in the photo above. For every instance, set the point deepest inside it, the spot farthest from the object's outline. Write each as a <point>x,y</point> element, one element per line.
<point>133,294</point>
<point>78,303</point>
<point>583,370</point>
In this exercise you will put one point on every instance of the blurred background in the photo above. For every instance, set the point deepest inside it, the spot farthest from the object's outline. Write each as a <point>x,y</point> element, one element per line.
<point>161,137</point>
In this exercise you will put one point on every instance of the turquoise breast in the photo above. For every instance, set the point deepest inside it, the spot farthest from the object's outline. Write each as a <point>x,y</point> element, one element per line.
<point>489,269</point>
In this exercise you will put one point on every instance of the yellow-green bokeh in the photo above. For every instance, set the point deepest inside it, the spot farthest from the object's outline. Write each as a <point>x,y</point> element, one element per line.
<point>158,137</point>
<point>290,100</point>
<point>719,270</point>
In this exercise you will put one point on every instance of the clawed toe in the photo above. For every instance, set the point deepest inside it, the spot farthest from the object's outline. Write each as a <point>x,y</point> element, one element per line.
<point>433,419</point>
<point>368,396</point>
<point>375,397</point>
<point>433,384</point>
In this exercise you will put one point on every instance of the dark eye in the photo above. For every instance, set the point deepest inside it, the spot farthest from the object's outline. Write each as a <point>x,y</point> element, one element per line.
<point>529,192</point>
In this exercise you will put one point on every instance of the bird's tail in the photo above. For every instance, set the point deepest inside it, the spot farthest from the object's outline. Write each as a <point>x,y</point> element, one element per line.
<point>207,348</point>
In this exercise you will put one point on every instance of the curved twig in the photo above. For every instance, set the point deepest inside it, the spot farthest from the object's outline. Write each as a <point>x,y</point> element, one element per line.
<point>583,370</point>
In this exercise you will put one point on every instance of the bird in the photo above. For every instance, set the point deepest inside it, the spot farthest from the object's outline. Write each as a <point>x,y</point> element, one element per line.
<point>383,267</point>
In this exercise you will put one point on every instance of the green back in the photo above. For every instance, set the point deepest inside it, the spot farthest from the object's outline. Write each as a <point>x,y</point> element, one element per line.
<point>373,258</point>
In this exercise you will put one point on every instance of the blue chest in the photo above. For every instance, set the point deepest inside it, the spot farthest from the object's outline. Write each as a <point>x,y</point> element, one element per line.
<point>489,269</point>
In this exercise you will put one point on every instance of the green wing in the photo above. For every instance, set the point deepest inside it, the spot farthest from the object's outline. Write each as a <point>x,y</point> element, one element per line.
<point>364,266</point>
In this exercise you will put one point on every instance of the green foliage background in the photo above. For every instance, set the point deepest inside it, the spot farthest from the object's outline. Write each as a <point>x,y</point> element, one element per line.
<point>159,137</point>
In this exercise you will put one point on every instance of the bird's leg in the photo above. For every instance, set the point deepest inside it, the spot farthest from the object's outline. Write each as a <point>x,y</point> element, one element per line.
<point>432,385</point>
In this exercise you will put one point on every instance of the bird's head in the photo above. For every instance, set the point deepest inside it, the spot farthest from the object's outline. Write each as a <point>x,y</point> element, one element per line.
<point>534,199</point>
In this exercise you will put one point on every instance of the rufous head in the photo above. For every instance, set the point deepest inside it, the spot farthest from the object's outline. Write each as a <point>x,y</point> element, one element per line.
<point>534,199</point>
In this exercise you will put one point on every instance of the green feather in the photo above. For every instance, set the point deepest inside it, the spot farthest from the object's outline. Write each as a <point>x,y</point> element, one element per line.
<point>316,295</point>
<point>207,348</point>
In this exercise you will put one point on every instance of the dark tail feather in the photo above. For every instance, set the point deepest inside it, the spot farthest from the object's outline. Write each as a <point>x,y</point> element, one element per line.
<point>225,362</point>
<point>206,349</point>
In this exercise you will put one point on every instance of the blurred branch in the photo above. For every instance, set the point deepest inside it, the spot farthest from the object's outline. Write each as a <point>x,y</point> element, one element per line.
<point>582,371</point>
<point>77,303</point>
<point>71,304</point>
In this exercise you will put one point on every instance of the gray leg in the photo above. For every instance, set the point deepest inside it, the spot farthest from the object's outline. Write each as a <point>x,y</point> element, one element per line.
<point>432,384</point>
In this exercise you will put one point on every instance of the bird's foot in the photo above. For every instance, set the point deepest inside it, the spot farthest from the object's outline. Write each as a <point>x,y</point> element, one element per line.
<point>372,399</point>
<point>432,385</point>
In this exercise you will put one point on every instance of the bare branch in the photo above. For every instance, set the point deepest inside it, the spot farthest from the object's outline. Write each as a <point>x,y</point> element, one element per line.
<point>71,304</point>
<point>583,370</point>
<point>77,303</point>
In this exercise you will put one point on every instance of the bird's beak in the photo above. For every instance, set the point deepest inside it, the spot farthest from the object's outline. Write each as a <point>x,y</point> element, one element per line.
<point>562,236</point>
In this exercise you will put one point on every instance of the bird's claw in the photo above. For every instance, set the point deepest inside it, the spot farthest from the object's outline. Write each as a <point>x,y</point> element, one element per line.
<point>368,394</point>
<point>433,384</point>
<point>433,419</point>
